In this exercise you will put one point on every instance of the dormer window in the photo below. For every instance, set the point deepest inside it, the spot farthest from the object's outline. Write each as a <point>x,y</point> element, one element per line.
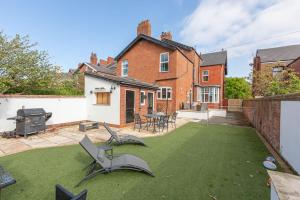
<point>124,68</point>
<point>164,62</point>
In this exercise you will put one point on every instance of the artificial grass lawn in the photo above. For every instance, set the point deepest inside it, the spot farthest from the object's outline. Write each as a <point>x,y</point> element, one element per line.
<point>194,162</point>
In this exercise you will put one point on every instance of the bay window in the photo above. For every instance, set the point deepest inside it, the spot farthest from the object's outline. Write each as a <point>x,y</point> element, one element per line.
<point>209,94</point>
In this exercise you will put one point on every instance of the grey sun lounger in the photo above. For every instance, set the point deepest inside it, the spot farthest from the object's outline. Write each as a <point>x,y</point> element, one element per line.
<point>126,139</point>
<point>110,163</point>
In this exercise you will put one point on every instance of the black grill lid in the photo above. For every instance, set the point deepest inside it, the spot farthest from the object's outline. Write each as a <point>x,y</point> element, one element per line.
<point>31,112</point>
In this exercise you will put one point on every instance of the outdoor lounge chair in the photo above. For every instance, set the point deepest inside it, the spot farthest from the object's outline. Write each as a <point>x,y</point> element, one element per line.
<point>126,139</point>
<point>63,194</point>
<point>110,163</point>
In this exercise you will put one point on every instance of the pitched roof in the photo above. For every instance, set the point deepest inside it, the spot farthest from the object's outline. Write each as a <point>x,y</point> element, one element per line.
<point>145,37</point>
<point>285,53</point>
<point>177,44</point>
<point>112,66</point>
<point>169,44</point>
<point>215,58</point>
<point>122,80</point>
<point>101,68</point>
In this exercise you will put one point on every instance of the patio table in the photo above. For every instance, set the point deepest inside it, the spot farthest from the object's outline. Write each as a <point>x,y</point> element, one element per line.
<point>151,119</point>
<point>5,179</point>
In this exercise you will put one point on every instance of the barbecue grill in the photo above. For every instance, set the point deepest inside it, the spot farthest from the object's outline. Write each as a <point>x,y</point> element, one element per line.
<point>30,121</point>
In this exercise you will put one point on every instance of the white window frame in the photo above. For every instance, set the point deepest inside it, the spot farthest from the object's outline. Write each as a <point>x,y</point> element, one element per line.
<point>159,91</point>
<point>277,70</point>
<point>123,67</point>
<point>203,75</point>
<point>160,62</point>
<point>214,92</point>
<point>144,99</point>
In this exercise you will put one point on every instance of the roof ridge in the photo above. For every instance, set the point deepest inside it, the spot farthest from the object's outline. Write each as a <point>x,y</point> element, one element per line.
<point>278,47</point>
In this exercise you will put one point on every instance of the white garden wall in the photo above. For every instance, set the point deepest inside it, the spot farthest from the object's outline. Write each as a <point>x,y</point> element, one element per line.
<point>197,115</point>
<point>290,133</point>
<point>64,109</point>
<point>102,113</point>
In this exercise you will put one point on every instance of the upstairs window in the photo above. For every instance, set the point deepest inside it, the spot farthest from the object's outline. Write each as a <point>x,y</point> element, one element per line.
<point>205,75</point>
<point>103,98</point>
<point>164,93</point>
<point>164,62</point>
<point>125,68</point>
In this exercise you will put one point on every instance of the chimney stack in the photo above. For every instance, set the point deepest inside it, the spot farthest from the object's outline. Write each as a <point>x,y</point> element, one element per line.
<point>166,35</point>
<point>93,59</point>
<point>110,60</point>
<point>144,27</point>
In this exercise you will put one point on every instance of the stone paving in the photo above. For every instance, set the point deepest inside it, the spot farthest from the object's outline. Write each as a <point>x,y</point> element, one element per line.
<point>68,136</point>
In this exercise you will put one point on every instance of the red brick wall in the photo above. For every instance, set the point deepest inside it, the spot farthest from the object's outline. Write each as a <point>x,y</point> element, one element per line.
<point>185,82</point>
<point>264,115</point>
<point>296,66</point>
<point>142,109</point>
<point>143,64</point>
<point>216,76</point>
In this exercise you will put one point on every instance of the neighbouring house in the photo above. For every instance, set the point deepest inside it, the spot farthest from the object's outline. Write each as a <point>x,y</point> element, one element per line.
<point>277,59</point>
<point>211,86</point>
<point>152,75</point>
<point>105,66</point>
<point>295,65</point>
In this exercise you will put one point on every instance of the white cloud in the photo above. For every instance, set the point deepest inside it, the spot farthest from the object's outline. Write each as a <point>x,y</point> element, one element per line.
<point>242,26</point>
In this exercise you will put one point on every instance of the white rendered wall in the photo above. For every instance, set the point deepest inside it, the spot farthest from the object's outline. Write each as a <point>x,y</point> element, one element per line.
<point>64,109</point>
<point>102,113</point>
<point>196,115</point>
<point>290,133</point>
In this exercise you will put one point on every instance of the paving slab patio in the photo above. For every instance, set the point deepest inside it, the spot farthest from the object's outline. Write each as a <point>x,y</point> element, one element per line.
<point>68,136</point>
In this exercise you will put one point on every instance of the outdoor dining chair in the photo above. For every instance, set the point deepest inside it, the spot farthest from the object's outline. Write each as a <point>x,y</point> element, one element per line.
<point>173,118</point>
<point>125,139</point>
<point>110,163</point>
<point>138,122</point>
<point>163,123</point>
<point>64,194</point>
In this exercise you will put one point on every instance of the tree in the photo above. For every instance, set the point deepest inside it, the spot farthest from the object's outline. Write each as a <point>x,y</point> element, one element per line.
<point>26,70</point>
<point>267,84</point>
<point>237,88</point>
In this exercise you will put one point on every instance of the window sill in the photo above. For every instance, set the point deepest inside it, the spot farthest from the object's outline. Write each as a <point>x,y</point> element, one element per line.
<point>101,104</point>
<point>163,71</point>
<point>164,99</point>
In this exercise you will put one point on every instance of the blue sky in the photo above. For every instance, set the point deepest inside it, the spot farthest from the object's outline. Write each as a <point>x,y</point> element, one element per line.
<point>70,30</point>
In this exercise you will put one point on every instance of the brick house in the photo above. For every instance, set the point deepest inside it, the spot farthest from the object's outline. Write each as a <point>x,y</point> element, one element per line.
<point>295,65</point>
<point>211,85</point>
<point>105,66</point>
<point>163,74</point>
<point>277,59</point>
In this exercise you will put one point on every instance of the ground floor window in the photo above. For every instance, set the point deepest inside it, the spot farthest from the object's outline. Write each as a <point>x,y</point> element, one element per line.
<point>143,98</point>
<point>208,94</point>
<point>103,98</point>
<point>164,93</point>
